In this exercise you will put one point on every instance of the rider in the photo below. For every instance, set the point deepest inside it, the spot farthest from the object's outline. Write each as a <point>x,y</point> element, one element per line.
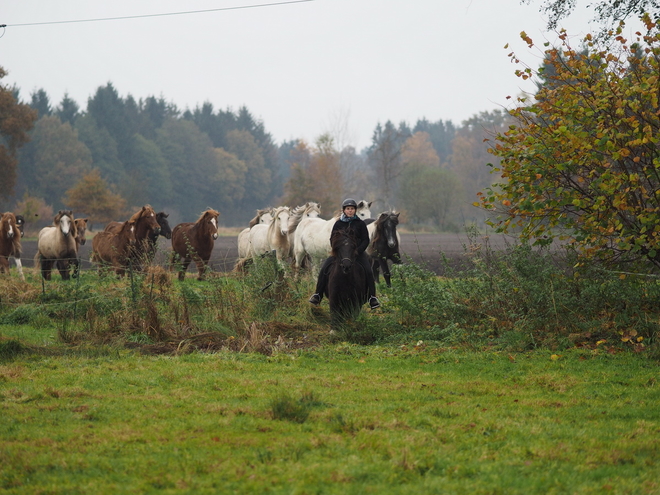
<point>349,221</point>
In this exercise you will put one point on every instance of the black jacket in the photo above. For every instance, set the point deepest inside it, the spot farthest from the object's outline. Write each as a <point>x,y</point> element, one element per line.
<point>359,228</point>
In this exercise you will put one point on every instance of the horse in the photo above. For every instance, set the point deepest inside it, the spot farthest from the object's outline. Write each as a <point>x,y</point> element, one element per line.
<point>81,229</point>
<point>57,242</point>
<point>347,289</point>
<point>152,237</point>
<point>10,243</point>
<point>273,237</point>
<point>146,225</point>
<point>384,244</point>
<point>264,216</point>
<point>115,248</point>
<point>308,210</point>
<point>312,240</point>
<point>194,242</point>
<point>20,223</point>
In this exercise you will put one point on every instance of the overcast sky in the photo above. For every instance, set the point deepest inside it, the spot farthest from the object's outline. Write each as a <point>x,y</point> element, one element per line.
<point>302,68</point>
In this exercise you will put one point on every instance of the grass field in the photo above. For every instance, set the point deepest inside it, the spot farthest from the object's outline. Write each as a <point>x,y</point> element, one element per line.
<point>521,375</point>
<point>412,418</point>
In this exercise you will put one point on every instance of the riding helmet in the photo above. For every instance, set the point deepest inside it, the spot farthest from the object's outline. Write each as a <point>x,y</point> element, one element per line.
<point>349,202</point>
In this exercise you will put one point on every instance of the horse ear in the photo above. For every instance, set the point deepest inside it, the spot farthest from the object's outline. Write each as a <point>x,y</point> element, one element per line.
<point>369,204</point>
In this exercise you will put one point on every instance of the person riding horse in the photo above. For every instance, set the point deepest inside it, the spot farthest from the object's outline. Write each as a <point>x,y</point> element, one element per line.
<point>351,222</point>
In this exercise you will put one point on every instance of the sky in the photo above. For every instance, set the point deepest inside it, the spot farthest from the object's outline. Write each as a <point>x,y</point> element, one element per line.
<point>303,68</point>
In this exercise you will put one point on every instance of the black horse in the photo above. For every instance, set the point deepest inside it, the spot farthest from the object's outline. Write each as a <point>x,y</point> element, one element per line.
<point>384,245</point>
<point>152,238</point>
<point>347,289</point>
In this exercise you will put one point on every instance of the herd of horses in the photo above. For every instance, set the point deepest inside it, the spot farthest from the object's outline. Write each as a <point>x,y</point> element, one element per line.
<point>297,235</point>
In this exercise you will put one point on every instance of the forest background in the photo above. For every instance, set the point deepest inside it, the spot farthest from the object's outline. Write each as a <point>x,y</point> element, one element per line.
<point>119,153</point>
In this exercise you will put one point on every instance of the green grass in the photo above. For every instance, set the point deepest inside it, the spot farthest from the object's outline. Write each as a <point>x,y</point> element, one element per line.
<point>381,419</point>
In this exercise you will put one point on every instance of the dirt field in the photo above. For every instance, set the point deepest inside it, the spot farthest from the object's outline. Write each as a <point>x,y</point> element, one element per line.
<point>425,249</point>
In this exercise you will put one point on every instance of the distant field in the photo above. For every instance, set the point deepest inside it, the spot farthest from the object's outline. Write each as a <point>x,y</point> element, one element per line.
<point>421,248</point>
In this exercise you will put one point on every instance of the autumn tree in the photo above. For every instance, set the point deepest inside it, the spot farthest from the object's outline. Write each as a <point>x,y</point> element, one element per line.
<point>16,120</point>
<point>428,192</point>
<point>93,196</point>
<point>385,158</point>
<point>35,211</point>
<point>608,12</point>
<point>583,159</point>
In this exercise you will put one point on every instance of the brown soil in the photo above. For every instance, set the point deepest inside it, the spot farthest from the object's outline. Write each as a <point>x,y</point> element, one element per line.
<point>437,252</point>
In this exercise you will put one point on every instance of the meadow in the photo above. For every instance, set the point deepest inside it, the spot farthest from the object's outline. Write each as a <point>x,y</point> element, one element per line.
<point>519,375</point>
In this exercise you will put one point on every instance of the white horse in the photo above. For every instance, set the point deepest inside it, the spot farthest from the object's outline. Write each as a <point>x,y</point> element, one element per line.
<point>264,216</point>
<point>308,210</point>
<point>57,243</point>
<point>273,237</point>
<point>312,241</point>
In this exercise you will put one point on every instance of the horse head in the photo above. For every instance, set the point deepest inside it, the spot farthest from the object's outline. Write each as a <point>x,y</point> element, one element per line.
<point>8,224</point>
<point>363,209</point>
<point>146,221</point>
<point>281,218</point>
<point>20,224</point>
<point>64,221</point>
<point>165,229</point>
<point>344,248</point>
<point>209,222</point>
<point>81,229</point>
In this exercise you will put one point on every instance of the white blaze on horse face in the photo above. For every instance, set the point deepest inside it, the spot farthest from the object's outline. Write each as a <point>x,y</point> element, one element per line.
<point>65,225</point>
<point>10,230</point>
<point>215,225</point>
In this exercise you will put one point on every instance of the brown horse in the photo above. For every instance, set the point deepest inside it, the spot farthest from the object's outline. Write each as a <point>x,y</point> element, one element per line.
<point>146,226</point>
<point>10,243</point>
<point>194,242</point>
<point>115,249</point>
<point>57,243</point>
<point>81,230</point>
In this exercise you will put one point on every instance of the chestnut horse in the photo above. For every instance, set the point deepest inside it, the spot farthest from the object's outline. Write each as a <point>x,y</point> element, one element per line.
<point>146,225</point>
<point>57,243</point>
<point>115,249</point>
<point>10,243</point>
<point>194,242</point>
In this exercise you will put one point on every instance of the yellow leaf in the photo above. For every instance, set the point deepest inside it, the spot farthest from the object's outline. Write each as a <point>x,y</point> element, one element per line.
<point>554,357</point>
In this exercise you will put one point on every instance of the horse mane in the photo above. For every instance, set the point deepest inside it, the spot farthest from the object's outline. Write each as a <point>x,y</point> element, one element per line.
<point>340,233</point>
<point>297,214</point>
<point>142,212</point>
<point>67,213</point>
<point>210,211</point>
<point>260,213</point>
<point>380,221</point>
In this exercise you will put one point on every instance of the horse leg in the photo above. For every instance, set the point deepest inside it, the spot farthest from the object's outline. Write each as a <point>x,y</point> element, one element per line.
<point>63,268</point>
<point>46,267</point>
<point>201,268</point>
<point>184,267</point>
<point>4,264</point>
<point>19,267</point>
<point>386,271</point>
<point>374,269</point>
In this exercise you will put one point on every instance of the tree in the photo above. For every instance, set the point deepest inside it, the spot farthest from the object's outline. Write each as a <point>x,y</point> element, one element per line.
<point>34,210</point>
<point>608,12</point>
<point>68,110</point>
<point>53,161</point>
<point>41,103</point>
<point>385,158</point>
<point>583,161</point>
<point>92,195</point>
<point>429,194</point>
<point>16,120</point>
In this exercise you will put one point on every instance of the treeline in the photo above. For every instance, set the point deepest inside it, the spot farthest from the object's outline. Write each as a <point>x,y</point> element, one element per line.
<point>119,153</point>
